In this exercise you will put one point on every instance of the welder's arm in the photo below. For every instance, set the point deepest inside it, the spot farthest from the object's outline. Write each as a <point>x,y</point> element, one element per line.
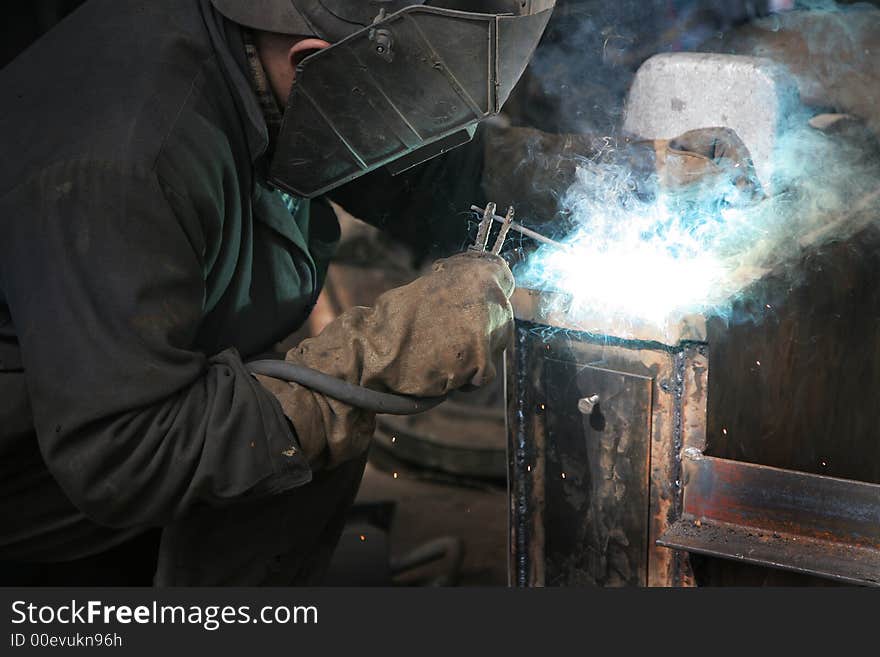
<point>442,332</point>
<point>106,287</point>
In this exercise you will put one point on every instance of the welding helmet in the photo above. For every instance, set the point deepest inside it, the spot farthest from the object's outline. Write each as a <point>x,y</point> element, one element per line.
<point>402,82</point>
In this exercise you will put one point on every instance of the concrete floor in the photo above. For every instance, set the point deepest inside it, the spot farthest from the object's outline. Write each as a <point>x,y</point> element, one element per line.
<point>430,506</point>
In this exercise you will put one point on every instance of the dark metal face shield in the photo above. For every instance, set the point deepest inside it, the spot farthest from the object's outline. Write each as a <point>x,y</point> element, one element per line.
<point>410,86</point>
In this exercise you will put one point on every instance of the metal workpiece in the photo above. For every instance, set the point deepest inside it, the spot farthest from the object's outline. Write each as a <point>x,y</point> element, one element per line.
<point>526,466</point>
<point>779,518</point>
<point>594,424</point>
<point>612,484</point>
<point>554,310</point>
<point>674,458</point>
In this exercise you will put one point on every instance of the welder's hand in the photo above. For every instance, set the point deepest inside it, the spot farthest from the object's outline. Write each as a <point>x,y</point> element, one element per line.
<point>329,431</point>
<point>440,333</point>
<point>707,156</point>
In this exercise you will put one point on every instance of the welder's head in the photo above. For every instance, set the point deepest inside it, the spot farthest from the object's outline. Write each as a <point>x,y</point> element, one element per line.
<point>385,82</point>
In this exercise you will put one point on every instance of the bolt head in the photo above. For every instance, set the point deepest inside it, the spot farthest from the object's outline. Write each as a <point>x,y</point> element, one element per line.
<point>588,404</point>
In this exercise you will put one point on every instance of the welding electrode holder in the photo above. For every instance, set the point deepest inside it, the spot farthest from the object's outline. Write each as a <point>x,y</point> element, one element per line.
<point>508,225</point>
<point>364,398</point>
<point>481,243</point>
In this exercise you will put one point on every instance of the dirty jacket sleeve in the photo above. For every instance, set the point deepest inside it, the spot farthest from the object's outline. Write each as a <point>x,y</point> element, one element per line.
<point>106,287</point>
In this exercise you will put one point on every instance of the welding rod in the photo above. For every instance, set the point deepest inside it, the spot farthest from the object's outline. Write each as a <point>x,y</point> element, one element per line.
<point>528,232</point>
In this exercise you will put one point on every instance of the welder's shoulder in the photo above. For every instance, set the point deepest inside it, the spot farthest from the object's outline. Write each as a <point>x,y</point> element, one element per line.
<point>116,85</point>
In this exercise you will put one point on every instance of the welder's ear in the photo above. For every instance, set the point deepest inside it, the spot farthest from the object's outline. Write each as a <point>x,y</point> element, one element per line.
<point>302,49</point>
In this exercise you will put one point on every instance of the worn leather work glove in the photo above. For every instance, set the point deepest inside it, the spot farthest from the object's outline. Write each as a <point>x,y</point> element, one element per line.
<point>440,333</point>
<point>703,156</point>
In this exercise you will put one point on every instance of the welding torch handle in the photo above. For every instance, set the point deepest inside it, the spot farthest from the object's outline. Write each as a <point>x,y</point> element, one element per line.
<point>528,232</point>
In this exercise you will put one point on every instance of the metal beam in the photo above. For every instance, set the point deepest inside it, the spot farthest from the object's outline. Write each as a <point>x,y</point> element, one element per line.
<point>779,518</point>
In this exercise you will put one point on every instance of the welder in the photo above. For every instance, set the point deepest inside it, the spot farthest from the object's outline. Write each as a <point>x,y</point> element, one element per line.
<point>165,210</point>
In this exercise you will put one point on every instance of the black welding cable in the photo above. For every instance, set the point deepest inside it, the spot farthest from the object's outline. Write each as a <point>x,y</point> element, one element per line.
<point>370,400</point>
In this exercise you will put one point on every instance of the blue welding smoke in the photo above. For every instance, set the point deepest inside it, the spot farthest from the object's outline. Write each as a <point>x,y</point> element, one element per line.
<point>637,258</point>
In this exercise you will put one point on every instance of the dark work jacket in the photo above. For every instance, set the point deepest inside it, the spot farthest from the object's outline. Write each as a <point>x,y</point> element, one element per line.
<point>142,258</point>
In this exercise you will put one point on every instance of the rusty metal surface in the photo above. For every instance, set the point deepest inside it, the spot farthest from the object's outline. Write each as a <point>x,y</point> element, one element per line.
<point>779,518</point>
<point>687,429</point>
<point>774,399</point>
<point>596,476</point>
<point>525,430</point>
<point>599,524</point>
<point>801,366</point>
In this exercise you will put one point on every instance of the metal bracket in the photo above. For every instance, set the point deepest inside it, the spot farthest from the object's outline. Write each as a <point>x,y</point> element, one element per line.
<point>778,518</point>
